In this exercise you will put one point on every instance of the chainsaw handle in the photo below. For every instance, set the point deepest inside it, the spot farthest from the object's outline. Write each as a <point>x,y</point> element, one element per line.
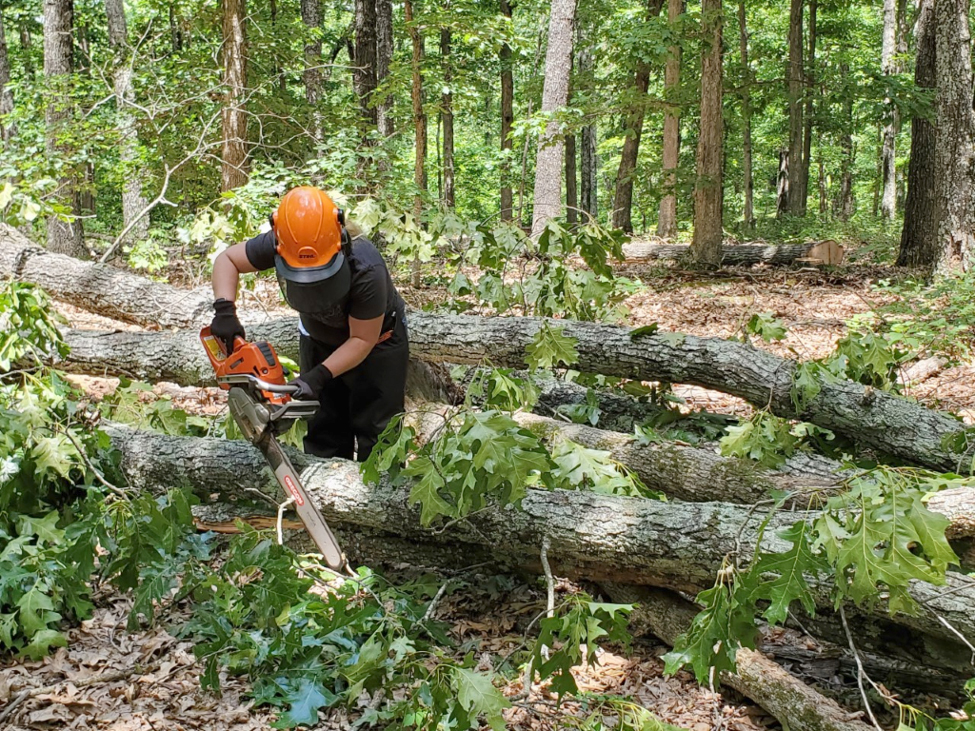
<point>259,383</point>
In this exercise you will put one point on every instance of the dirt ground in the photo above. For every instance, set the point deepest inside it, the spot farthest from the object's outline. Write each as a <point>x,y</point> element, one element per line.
<point>110,679</point>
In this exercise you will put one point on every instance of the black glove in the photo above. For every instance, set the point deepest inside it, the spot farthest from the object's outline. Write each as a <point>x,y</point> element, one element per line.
<point>225,326</point>
<point>310,384</point>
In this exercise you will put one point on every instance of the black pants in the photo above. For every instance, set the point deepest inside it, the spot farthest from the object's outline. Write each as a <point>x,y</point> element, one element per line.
<point>357,405</point>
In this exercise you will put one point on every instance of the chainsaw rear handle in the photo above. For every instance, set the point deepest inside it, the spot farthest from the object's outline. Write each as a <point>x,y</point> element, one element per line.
<point>259,383</point>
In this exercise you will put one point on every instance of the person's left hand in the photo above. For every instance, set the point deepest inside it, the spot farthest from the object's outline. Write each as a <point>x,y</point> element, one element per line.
<point>310,384</point>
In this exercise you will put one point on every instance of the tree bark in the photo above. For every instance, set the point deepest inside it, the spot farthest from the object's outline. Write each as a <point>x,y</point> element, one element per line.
<point>828,252</point>
<point>555,94</point>
<point>311,16</point>
<point>874,419</point>
<point>101,288</point>
<point>133,201</point>
<point>791,202</point>
<point>599,537</point>
<point>843,205</point>
<point>888,200</point>
<point>364,74</point>
<point>588,157</point>
<point>919,237</point>
<point>63,237</point>
<point>507,121</point>
<point>6,93</point>
<point>419,116</point>
<point>796,705</point>
<point>954,167</point>
<point>708,190</point>
<point>175,33</point>
<point>234,156</point>
<point>809,85</point>
<point>384,57</point>
<point>447,117</point>
<point>623,198</point>
<point>667,219</point>
<point>746,119</point>
<point>571,180</point>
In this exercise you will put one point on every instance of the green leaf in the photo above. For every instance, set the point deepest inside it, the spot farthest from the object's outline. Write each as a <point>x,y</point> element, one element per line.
<point>640,332</point>
<point>767,327</point>
<point>790,568</point>
<point>41,643</point>
<point>305,699</point>
<point>478,696</point>
<point>55,455</point>
<point>550,347</point>
<point>36,611</point>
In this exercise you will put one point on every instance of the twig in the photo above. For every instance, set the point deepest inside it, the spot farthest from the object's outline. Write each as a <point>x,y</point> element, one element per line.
<point>98,475</point>
<point>549,584</point>
<point>861,674</point>
<point>281,509</point>
<point>962,637</point>
<point>263,495</point>
<point>86,682</point>
<point>436,600</point>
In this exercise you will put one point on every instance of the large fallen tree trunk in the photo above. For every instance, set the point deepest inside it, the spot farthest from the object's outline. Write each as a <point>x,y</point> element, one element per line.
<point>101,288</point>
<point>820,252</point>
<point>874,418</point>
<point>792,702</point>
<point>604,538</point>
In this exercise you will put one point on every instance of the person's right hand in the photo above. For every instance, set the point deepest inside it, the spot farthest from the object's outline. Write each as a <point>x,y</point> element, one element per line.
<point>225,326</point>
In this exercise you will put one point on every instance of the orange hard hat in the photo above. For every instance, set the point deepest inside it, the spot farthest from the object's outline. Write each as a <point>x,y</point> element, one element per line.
<point>308,229</point>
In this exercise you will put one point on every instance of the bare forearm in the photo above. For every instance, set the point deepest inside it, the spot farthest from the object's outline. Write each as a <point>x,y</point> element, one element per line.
<point>225,276</point>
<point>348,355</point>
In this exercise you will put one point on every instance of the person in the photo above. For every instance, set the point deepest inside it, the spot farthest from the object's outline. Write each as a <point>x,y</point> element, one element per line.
<point>353,343</point>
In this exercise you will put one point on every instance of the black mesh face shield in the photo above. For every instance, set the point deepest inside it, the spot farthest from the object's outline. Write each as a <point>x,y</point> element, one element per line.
<point>314,290</point>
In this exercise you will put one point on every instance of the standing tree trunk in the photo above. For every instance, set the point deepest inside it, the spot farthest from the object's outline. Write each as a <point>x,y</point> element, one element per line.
<point>706,244</point>
<point>175,33</point>
<point>919,237</point>
<point>311,16</point>
<point>234,79</point>
<point>133,201</point>
<point>667,219</point>
<point>623,199</point>
<point>447,117</point>
<point>790,201</point>
<point>589,162</point>
<point>746,119</point>
<point>384,57</point>
<point>419,117</point>
<point>63,237</point>
<point>956,129</point>
<point>555,95</point>
<point>809,82</point>
<point>888,204</point>
<point>6,94</point>
<point>364,74</point>
<point>843,205</point>
<point>507,121</point>
<point>571,182</point>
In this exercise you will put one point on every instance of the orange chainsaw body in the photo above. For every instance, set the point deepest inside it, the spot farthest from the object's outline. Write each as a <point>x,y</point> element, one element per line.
<point>256,359</point>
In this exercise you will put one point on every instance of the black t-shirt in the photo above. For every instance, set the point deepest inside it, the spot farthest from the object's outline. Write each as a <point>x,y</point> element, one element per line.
<point>371,293</point>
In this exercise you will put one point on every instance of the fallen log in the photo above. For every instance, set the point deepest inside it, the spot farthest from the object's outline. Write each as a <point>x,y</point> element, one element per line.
<point>796,705</point>
<point>598,537</point>
<point>678,470</point>
<point>813,252</point>
<point>101,288</point>
<point>875,419</point>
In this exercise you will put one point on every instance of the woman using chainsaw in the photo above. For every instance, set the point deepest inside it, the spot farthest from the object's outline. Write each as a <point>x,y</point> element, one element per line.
<point>353,349</point>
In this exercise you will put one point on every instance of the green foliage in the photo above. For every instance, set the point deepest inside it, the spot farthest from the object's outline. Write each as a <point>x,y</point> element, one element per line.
<point>765,438</point>
<point>568,638</point>
<point>308,651</point>
<point>869,358</point>
<point>49,455</point>
<point>766,326</point>
<point>518,274</point>
<point>871,541</point>
<point>549,348</point>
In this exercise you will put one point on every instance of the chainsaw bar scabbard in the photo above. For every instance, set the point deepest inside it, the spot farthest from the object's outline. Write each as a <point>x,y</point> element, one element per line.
<point>315,524</point>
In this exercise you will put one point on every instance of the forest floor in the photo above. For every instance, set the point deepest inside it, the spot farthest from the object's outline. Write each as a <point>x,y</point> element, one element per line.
<point>150,679</point>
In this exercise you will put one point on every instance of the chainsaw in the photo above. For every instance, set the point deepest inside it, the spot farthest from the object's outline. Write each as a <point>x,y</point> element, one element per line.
<point>261,404</point>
